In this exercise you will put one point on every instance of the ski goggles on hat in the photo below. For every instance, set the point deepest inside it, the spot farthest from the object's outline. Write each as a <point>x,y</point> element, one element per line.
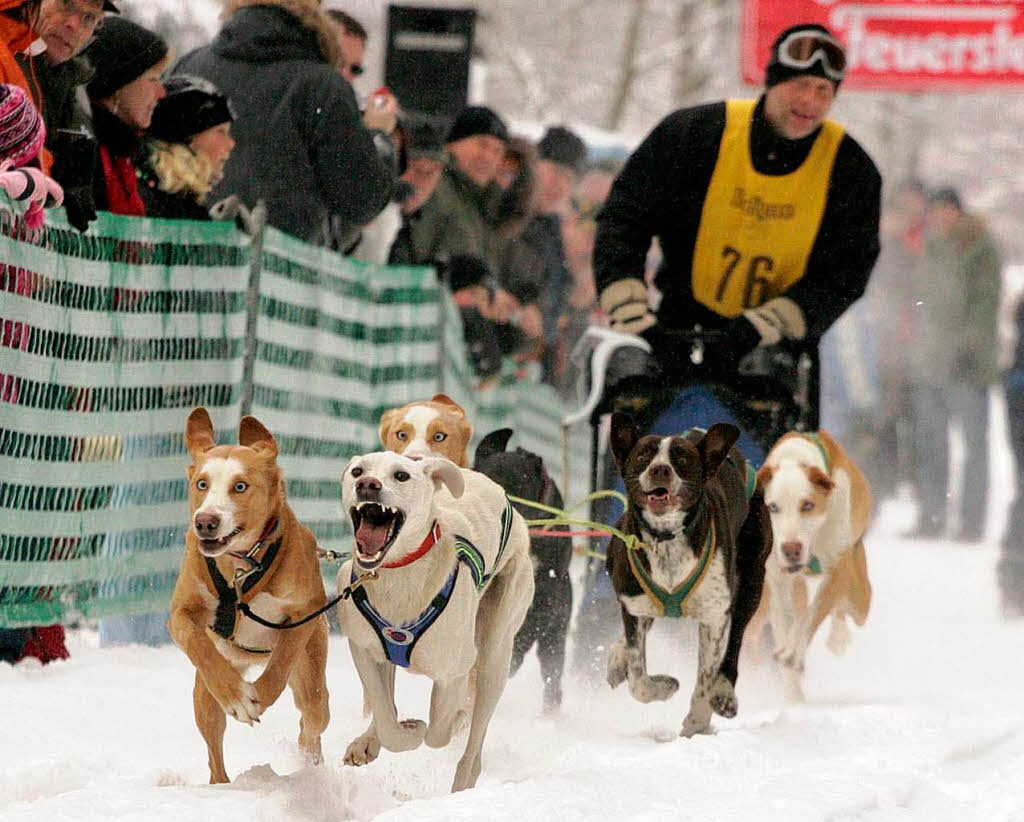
<point>801,49</point>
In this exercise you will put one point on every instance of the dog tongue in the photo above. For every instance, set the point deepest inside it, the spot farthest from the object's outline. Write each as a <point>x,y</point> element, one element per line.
<point>371,538</point>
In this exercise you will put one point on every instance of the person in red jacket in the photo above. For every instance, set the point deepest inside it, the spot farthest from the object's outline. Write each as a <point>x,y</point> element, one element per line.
<point>17,36</point>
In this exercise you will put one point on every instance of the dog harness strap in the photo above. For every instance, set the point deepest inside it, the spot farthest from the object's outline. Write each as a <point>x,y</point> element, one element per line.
<point>674,604</point>
<point>227,599</point>
<point>224,620</point>
<point>815,437</point>
<point>397,641</point>
<point>506,529</point>
<point>468,553</point>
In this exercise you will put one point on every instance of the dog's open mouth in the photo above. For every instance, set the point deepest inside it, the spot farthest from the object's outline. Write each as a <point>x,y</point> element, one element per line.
<point>376,527</point>
<point>659,499</point>
<point>213,547</point>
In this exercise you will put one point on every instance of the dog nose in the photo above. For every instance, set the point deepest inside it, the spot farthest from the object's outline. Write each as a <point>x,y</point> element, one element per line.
<point>207,524</point>
<point>661,473</point>
<point>368,488</point>
<point>792,550</point>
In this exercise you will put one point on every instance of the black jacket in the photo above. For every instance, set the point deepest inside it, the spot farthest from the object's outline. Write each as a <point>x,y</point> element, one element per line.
<point>660,193</point>
<point>159,203</point>
<point>301,144</point>
<point>57,87</point>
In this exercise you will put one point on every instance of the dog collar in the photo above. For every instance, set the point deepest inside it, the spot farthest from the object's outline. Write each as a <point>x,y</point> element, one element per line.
<point>428,542</point>
<point>250,555</point>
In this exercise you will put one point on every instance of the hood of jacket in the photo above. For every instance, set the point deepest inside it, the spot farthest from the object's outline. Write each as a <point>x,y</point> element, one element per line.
<point>16,34</point>
<point>269,31</point>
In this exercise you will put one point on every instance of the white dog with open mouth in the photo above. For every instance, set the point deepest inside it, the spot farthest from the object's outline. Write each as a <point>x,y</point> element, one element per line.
<point>454,584</point>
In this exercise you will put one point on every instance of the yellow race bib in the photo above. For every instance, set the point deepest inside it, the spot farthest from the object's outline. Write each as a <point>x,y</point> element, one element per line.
<point>756,231</point>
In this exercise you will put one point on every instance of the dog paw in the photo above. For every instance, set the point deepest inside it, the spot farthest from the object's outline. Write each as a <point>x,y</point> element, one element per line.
<point>362,750</point>
<point>407,735</point>
<point>790,657</point>
<point>653,688</point>
<point>838,636</point>
<point>723,698</point>
<point>695,723</point>
<point>618,664</point>
<point>241,701</point>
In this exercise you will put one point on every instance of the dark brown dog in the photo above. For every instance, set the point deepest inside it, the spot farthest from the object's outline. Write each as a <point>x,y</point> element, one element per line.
<point>705,535</point>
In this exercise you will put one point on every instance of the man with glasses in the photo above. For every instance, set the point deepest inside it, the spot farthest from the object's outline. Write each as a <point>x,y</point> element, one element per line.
<point>67,27</point>
<point>767,216</point>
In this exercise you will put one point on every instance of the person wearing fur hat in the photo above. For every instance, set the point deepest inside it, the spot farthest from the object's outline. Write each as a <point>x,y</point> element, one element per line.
<point>124,90</point>
<point>303,148</point>
<point>767,215</point>
<point>189,143</point>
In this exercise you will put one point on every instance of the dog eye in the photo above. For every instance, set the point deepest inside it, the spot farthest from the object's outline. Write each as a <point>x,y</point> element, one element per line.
<point>401,435</point>
<point>240,486</point>
<point>440,436</point>
<point>401,476</point>
<point>773,507</point>
<point>202,485</point>
<point>356,472</point>
<point>806,505</point>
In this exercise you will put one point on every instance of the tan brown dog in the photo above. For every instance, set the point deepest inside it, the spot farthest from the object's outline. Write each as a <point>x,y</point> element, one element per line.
<point>244,542</point>
<point>437,427</point>
<point>820,505</point>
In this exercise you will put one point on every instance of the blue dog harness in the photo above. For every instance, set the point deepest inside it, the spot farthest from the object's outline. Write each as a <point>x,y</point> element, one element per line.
<point>397,641</point>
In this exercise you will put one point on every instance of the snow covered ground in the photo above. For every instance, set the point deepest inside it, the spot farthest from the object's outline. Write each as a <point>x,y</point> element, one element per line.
<point>921,719</point>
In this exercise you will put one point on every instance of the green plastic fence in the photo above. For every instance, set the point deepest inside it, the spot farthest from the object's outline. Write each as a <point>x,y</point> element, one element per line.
<point>109,339</point>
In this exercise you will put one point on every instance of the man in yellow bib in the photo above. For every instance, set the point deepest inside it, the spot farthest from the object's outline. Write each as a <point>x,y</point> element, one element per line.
<point>766,213</point>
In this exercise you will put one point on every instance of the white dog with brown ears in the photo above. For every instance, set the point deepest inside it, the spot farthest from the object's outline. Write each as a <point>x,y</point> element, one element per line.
<point>820,505</point>
<point>441,580</point>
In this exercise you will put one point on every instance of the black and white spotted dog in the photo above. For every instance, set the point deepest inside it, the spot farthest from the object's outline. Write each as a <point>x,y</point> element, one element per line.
<point>706,533</point>
<point>522,474</point>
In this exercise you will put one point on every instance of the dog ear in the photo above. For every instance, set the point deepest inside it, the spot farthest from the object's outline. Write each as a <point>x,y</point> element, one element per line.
<point>624,436</point>
<point>764,476</point>
<point>494,443</point>
<point>820,478</point>
<point>199,432</point>
<point>445,472</point>
<point>253,434</point>
<point>466,433</point>
<point>714,446</point>
<point>444,399</point>
<point>387,422</point>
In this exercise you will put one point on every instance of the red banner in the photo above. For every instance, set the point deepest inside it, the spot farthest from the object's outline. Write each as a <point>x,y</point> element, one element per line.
<point>905,45</point>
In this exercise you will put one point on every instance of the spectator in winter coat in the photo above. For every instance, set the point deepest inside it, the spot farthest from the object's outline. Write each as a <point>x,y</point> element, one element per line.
<point>22,133</point>
<point>302,146</point>
<point>190,141</point>
<point>562,158</point>
<point>21,139</point>
<point>17,35</point>
<point>953,351</point>
<point>58,77</point>
<point>124,90</point>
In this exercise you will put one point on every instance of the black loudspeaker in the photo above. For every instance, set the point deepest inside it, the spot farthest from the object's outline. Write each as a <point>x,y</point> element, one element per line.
<point>427,63</point>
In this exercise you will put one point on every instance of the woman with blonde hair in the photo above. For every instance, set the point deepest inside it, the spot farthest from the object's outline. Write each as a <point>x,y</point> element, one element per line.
<point>189,143</point>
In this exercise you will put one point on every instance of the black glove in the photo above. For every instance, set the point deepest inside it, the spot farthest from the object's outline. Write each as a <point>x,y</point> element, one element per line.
<point>74,167</point>
<point>79,207</point>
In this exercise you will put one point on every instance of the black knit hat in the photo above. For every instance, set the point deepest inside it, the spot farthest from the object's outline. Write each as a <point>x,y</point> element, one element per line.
<point>121,53</point>
<point>777,73</point>
<point>564,147</point>
<point>192,105</point>
<point>474,120</point>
